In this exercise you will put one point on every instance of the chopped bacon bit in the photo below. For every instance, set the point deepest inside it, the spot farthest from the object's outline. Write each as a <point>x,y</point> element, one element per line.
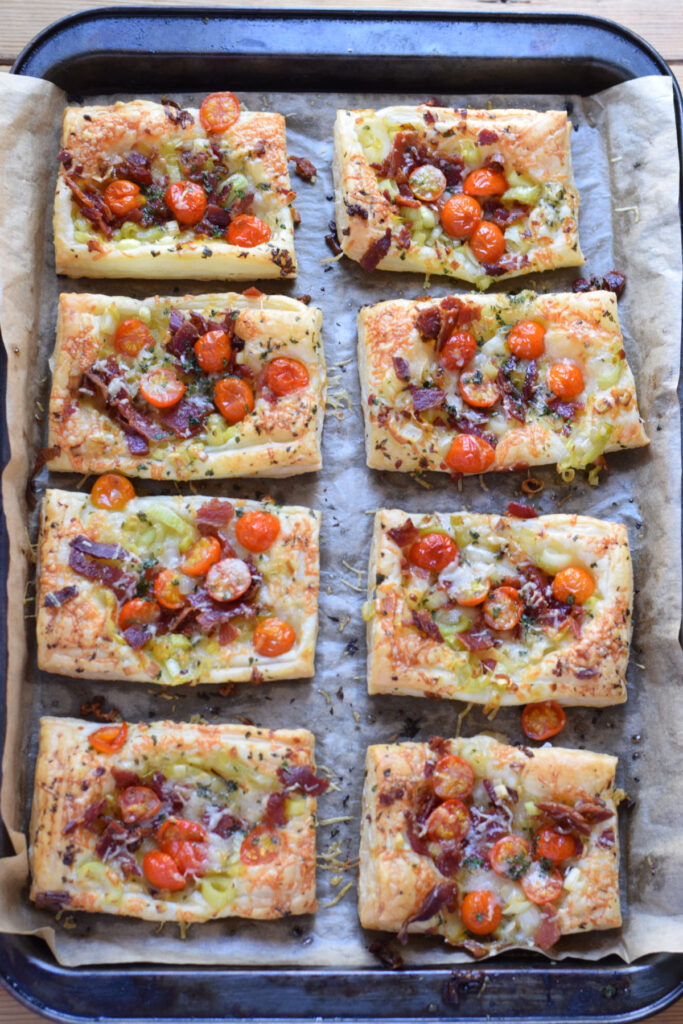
<point>356,210</point>
<point>606,839</point>
<point>486,137</point>
<point>213,515</point>
<point>478,638</point>
<point>227,824</point>
<point>332,239</point>
<point>304,168</point>
<point>56,598</point>
<point>401,368</point>
<point>45,455</point>
<point>424,623</point>
<point>404,535</point>
<point>95,708</point>
<point>613,281</point>
<point>493,210</point>
<point>376,252</point>
<point>520,511</point>
<point>52,900</point>
<point>444,895</point>
<point>387,956</point>
<point>65,158</point>
<point>428,323</point>
<point>124,584</point>
<point>134,167</point>
<point>302,777</point>
<point>176,115</point>
<point>275,811</point>
<point>548,931</point>
<point>92,206</point>
<point>427,398</point>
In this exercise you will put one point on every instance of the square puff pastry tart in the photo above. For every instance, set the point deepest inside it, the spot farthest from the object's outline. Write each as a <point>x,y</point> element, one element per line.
<point>389,209</point>
<point>470,405</point>
<point>486,608</point>
<point>242,170</point>
<point>99,418</point>
<point>423,857</point>
<point>177,589</point>
<point>174,822</point>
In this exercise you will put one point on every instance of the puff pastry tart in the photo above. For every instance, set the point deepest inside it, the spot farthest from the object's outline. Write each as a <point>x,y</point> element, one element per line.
<point>174,822</point>
<point>187,388</point>
<point>499,610</point>
<point>149,190</point>
<point>487,845</point>
<point>470,384</point>
<point>475,194</point>
<point>177,589</point>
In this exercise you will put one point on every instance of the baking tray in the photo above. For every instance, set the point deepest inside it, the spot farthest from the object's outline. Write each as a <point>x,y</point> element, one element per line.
<point>325,51</point>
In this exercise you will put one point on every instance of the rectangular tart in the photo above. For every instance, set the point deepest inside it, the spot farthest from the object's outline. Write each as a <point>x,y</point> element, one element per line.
<point>177,589</point>
<point>395,169</point>
<point>99,418</point>
<point>240,172</point>
<point>174,822</point>
<point>428,398</point>
<point>421,857</point>
<point>449,632</point>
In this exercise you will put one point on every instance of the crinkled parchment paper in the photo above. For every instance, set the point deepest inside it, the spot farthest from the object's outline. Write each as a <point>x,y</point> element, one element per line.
<point>626,165</point>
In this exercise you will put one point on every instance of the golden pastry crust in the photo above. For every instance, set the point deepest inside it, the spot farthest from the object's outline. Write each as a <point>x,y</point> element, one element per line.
<point>281,437</point>
<point>583,329</point>
<point>235,766</point>
<point>94,137</point>
<point>575,657</point>
<point>533,149</point>
<point>81,635</point>
<point>395,879</point>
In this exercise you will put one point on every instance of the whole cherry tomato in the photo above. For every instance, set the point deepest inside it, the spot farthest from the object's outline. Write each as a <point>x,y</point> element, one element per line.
<point>213,351</point>
<point>503,608</point>
<point>257,531</point>
<point>186,201</point>
<point>247,231</point>
<point>458,350</point>
<point>543,720</point>
<point>460,216</point>
<point>234,398</point>
<point>273,637</point>
<point>122,196</point>
<point>433,552</point>
<point>573,585</point>
<point>219,111</point>
<point>481,912</point>
<point>485,182</point>
<point>487,242</point>
<point>112,491</point>
<point>565,380</point>
<point>469,454</point>
<point>452,778</point>
<point>131,336</point>
<point>284,376</point>
<point>109,738</point>
<point>526,340</point>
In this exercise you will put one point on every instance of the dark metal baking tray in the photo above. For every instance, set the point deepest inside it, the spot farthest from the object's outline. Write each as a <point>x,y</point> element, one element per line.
<point>165,49</point>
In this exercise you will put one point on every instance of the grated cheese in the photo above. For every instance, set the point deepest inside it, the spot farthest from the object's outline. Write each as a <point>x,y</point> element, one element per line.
<point>340,895</point>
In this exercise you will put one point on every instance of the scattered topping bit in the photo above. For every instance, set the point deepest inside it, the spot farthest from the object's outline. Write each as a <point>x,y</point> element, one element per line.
<point>112,491</point>
<point>573,585</point>
<point>433,552</point>
<point>477,391</point>
<point>168,589</point>
<point>161,387</point>
<point>540,885</point>
<point>526,340</point>
<point>460,216</point>
<point>549,844</point>
<point>257,531</point>
<point>213,351</point>
<point>481,912</point>
<point>458,351</point>
<point>261,846</point>
<point>219,111</point>
<point>444,895</point>
<point>487,242</point>
<point>273,637</point>
<point>503,608</point>
<point>376,251</point>
<point>565,380</point>
<point>228,579</point>
<point>532,485</point>
<point>201,556</point>
<point>543,720</point>
<point>284,376</point>
<point>452,778</point>
<point>56,598</point>
<point>469,454</point>
<point>109,738</point>
<point>131,336</point>
<point>122,196</point>
<point>484,182</point>
<point>247,231</point>
<point>510,856</point>
<point>140,611</point>
<point>304,168</point>
<point>427,183</point>
<point>161,871</point>
<point>234,398</point>
<point>186,201</point>
<point>611,282</point>
<point>521,511</point>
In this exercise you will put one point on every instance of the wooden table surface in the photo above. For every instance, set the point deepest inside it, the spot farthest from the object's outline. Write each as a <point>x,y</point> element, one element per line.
<point>661,24</point>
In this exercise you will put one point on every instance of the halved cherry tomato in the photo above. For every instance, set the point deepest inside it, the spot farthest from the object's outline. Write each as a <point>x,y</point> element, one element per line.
<point>485,182</point>
<point>257,531</point>
<point>122,196</point>
<point>554,846</point>
<point>261,846</point>
<point>459,349</point>
<point>138,803</point>
<point>449,822</point>
<point>526,339</point>
<point>469,454</point>
<point>167,589</point>
<point>213,351</point>
<point>219,110</point>
<point>510,856</point>
<point>541,886</point>
<point>201,556</point>
<point>234,398</point>
<point>433,552</point>
<point>460,216</point>
<point>427,183</point>
<point>161,871</point>
<point>112,491</point>
<point>273,637</point>
<point>468,588</point>
<point>487,242</point>
<point>573,585</point>
<point>565,380</point>
<point>131,336</point>
<point>139,612</point>
<point>190,858</point>
<point>228,579</point>
<point>481,912</point>
<point>109,738</point>
<point>452,777</point>
<point>477,390</point>
<point>503,608</point>
<point>247,231</point>
<point>186,201</point>
<point>284,376</point>
<point>177,829</point>
<point>161,387</point>
<point>543,720</point>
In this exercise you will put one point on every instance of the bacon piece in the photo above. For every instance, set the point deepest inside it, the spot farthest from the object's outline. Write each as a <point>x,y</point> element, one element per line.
<point>187,417</point>
<point>136,636</point>
<point>611,282</point>
<point>134,167</point>
<point>521,511</point>
<point>275,811</point>
<point>214,515</point>
<point>423,621</point>
<point>92,206</point>
<point>487,137</point>
<point>404,535</point>
<point>212,613</point>
<point>227,632</point>
<point>427,398</point>
<point>302,777</point>
<point>52,900</point>
<point>449,858</point>
<point>176,115</point>
<point>444,895</point>
<point>124,584</point>
<point>548,931</point>
<point>593,810</point>
<point>99,549</point>
<point>567,410</point>
<point>124,778</point>
<point>395,166</point>
<point>428,323</point>
<point>606,839</point>
<point>137,445</point>
<point>97,381</point>
<point>377,251</point>
<point>513,401</point>
<point>56,598</point>
<point>303,168</point>
<point>387,956</point>
<point>530,378</point>
<point>401,368</point>
<point>217,215</point>
<point>44,455</point>
<point>478,638</point>
<point>356,210</point>
<point>167,793</point>
<point>65,158</point>
<point>465,425</point>
<point>226,825</point>
<point>493,210</point>
<point>566,816</point>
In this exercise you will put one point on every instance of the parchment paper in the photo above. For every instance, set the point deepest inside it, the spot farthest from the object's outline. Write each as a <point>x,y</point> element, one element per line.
<point>626,164</point>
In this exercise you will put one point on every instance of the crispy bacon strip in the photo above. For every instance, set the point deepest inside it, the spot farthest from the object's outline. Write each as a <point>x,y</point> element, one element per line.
<point>444,895</point>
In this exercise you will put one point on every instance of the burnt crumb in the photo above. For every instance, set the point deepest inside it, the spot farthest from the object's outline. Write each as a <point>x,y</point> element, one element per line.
<point>305,299</point>
<point>387,955</point>
<point>303,167</point>
<point>356,210</point>
<point>96,709</point>
<point>461,983</point>
<point>339,694</point>
<point>411,727</point>
<point>332,239</point>
<point>282,259</point>
<point>351,647</point>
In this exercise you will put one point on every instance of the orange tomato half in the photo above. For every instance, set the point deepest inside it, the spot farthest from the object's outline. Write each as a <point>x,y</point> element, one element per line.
<point>109,738</point>
<point>122,196</point>
<point>219,111</point>
<point>234,398</point>
<point>257,531</point>
<point>273,637</point>
<point>284,376</point>
<point>112,491</point>
<point>481,912</point>
<point>543,720</point>
<point>469,454</point>
<point>247,231</point>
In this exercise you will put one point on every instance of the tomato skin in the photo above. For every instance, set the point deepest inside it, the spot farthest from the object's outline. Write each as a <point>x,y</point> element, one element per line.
<point>233,398</point>
<point>247,231</point>
<point>284,376</point>
<point>477,391</point>
<point>112,491</point>
<point>433,552</point>
<point>449,822</point>
<point>122,196</point>
<point>138,803</point>
<point>543,720</point>
<point>510,856</point>
<point>460,216</point>
<point>469,454</point>
<point>139,612</point>
<point>131,336</point>
<point>260,846</point>
<point>573,585</point>
<point>427,183</point>
<point>527,339</point>
<point>167,589</point>
<point>186,201</point>
<point>219,111</point>
<point>161,387</point>
<point>458,351</point>
<point>554,846</point>
<point>161,871</point>
<point>257,531</point>
<point>481,912</point>
<point>565,380</point>
<point>503,608</point>
<point>213,351</point>
<point>177,829</point>
<point>541,886</point>
<point>201,556</point>
<point>190,858</point>
<point>485,182</point>
<point>228,579</point>
<point>452,777</point>
<point>487,242</point>
<point>273,637</point>
<point>109,738</point>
